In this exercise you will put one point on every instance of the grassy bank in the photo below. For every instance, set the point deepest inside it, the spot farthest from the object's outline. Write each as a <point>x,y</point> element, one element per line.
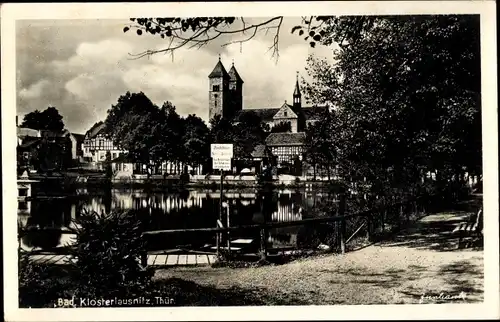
<point>422,260</point>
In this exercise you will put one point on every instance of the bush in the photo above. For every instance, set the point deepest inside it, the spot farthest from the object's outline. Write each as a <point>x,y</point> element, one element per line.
<point>108,251</point>
<point>40,285</point>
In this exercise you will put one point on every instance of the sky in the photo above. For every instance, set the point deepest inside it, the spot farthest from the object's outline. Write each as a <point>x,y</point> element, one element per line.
<point>82,66</point>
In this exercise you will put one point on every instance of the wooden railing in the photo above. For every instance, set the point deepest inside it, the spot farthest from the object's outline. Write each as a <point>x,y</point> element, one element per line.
<point>372,220</point>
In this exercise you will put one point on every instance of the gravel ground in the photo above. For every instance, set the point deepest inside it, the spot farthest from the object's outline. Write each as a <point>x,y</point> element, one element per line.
<point>422,264</point>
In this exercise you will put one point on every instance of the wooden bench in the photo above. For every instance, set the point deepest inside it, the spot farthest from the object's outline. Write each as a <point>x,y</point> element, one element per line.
<point>470,230</point>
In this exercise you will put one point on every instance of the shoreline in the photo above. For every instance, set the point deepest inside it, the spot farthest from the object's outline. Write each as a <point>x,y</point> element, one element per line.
<point>177,184</point>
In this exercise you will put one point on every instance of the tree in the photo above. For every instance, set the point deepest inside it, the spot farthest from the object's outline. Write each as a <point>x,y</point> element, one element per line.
<point>49,119</point>
<point>195,141</point>
<point>196,32</point>
<point>282,127</point>
<point>171,130</point>
<point>248,132</point>
<point>109,169</point>
<point>407,97</point>
<point>221,130</point>
<point>133,124</point>
<point>321,142</point>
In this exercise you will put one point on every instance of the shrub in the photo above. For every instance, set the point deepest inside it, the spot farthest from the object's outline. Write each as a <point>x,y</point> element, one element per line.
<point>108,250</point>
<point>40,285</point>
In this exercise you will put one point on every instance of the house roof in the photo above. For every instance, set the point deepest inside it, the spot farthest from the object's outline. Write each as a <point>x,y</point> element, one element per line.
<point>53,134</point>
<point>24,131</point>
<point>95,129</point>
<point>266,114</point>
<point>285,139</point>
<point>28,143</point>
<point>219,71</point>
<point>78,137</point>
<point>261,151</point>
<point>234,76</point>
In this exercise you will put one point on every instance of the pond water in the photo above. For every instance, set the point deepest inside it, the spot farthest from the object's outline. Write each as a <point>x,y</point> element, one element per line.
<point>187,209</point>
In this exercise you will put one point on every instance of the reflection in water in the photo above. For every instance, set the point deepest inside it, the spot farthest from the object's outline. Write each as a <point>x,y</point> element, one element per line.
<point>189,209</point>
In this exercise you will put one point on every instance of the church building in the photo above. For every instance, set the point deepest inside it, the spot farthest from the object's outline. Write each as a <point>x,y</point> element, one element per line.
<point>226,100</point>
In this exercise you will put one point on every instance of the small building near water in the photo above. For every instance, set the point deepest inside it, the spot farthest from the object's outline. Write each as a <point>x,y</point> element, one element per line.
<point>289,148</point>
<point>262,157</point>
<point>122,166</point>
<point>96,145</point>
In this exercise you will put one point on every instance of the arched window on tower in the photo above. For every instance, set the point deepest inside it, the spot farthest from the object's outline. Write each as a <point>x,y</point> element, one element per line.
<point>215,101</point>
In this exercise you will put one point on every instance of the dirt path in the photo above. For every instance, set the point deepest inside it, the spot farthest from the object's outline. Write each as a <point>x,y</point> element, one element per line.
<point>417,265</point>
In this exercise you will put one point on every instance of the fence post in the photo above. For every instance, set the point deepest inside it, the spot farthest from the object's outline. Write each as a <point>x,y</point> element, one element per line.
<point>144,258</point>
<point>219,234</point>
<point>228,233</point>
<point>369,227</point>
<point>407,211</point>
<point>342,223</point>
<point>263,246</point>
<point>383,215</point>
<point>400,211</point>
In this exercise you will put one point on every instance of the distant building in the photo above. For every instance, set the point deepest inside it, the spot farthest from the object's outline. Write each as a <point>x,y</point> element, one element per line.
<point>122,166</point>
<point>57,149</point>
<point>96,145</point>
<point>286,146</point>
<point>24,133</point>
<point>28,141</point>
<point>226,100</point>
<point>76,145</point>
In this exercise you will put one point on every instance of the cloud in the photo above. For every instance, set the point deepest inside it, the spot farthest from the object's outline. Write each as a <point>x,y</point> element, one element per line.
<point>35,90</point>
<point>84,75</point>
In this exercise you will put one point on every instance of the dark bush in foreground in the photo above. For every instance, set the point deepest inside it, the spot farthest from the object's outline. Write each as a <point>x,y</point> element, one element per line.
<point>108,249</point>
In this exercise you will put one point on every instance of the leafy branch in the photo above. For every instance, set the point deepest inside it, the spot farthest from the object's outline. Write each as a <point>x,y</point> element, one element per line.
<point>197,32</point>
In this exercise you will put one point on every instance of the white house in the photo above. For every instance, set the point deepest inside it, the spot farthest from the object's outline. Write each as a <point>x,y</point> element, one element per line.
<point>96,145</point>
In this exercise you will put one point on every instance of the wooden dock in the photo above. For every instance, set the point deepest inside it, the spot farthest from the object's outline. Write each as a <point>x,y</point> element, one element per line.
<point>153,260</point>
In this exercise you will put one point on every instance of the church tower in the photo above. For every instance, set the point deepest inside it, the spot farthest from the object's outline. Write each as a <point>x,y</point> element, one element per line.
<point>297,97</point>
<point>218,99</point>
<point>236,91</point>
<point>297,106</point>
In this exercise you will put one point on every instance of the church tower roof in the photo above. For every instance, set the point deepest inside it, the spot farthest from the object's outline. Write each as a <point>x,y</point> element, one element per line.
<point>233,74</point>
<point>296,92</point>
<point>219,71</point>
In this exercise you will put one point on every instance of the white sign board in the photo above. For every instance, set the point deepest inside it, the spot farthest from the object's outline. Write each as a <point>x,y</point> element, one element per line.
<point>221,163</point>
<point>223,151</point>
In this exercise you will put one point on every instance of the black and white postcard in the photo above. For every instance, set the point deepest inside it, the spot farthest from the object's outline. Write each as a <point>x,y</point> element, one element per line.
<point>249,161</point>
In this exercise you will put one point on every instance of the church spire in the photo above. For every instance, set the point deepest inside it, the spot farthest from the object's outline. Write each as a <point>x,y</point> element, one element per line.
<point>297,104</point>
<point>234,76</point>
<point>296,92</point>
<point>219,71</point>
